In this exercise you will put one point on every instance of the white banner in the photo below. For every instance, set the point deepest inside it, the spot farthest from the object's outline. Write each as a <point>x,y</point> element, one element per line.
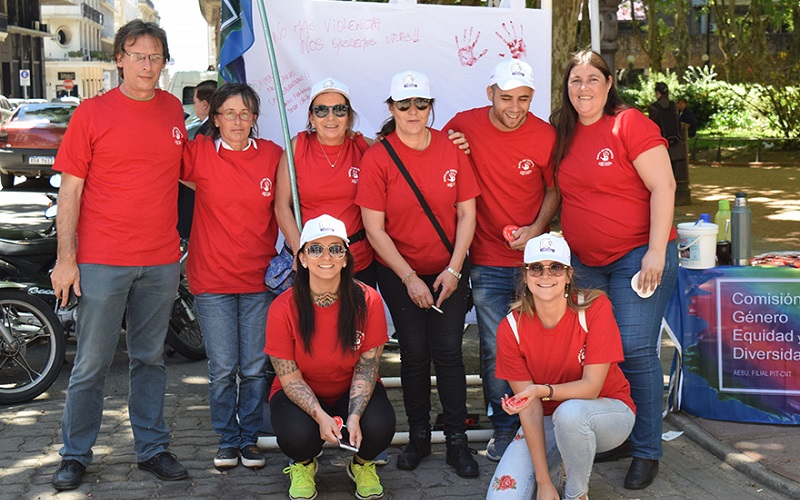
<point>364,44</point>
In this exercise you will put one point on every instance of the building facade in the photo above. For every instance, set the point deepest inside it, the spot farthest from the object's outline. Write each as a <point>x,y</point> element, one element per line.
<point>21,49</point>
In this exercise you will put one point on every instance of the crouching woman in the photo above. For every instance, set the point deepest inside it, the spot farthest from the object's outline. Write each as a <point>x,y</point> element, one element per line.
<point>559,349</point>
<point>325,337</point>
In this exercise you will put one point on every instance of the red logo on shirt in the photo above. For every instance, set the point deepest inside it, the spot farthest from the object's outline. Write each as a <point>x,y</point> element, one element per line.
<point>526,166</point>
<point>266,187</point>
<point>604,157</point>
<point>177,135</point>
<point>353,174</point>
<point>450,177</point>
<point>359,340</point>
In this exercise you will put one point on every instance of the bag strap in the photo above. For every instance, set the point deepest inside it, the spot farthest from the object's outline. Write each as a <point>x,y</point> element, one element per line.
<point>512,321</point>
<point>418,193</point>
<point>582,314</point>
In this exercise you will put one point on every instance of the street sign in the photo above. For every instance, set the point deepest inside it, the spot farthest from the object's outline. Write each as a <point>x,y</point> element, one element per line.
<point>66,75</point>
<point>69,84</point>
<point>24,77</point>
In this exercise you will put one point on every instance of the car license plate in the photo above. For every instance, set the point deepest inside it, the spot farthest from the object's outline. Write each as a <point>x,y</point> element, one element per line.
<point>41,160</point>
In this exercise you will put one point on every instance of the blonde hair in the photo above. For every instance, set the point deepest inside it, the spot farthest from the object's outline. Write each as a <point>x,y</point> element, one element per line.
<point>524,298</point>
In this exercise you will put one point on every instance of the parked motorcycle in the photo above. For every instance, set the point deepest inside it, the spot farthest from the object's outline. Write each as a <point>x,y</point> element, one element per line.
<point>33,325</point>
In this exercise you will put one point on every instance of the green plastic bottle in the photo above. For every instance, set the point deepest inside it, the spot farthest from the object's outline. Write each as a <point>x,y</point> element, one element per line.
<point>722,219</point>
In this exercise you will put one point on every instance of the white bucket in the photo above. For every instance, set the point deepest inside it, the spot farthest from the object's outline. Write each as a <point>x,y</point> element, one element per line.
<point>697,244</point>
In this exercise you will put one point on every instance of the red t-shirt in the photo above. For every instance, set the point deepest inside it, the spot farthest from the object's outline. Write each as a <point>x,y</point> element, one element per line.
<point>513,168</point>
<point>605,207</point>
<point>443,175</point>
<point>557,355</point>
<point>327,371</point>
<point>332,190</point>
<point>234,230</point>
<point>129,153</point>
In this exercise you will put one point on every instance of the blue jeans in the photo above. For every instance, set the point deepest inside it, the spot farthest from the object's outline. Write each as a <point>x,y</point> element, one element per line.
<point>144,295</point>
<point>493,290</point>
<point>639,323</point>
<point>576,430</point>
<point>234,330</point>
<point>425,335</point>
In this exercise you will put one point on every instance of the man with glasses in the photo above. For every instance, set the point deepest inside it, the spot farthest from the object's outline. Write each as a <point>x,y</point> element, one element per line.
<point>118,250</point>
<point>510,153</point>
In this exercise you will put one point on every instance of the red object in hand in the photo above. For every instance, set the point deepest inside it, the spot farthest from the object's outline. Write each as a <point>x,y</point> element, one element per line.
<point>508,232</point>
<point>516,403</point>
<point>339,421</point>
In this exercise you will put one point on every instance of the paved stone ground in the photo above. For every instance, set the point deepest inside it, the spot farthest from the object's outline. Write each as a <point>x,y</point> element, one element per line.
<point>30,438</point>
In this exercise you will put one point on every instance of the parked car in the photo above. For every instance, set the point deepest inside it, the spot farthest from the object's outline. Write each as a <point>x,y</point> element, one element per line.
<point>6,108</point>
<point>29,140</point>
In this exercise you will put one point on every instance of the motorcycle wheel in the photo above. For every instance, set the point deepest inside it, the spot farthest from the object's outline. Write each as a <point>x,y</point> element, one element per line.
<point>183,334</point>
<point>31,360</point>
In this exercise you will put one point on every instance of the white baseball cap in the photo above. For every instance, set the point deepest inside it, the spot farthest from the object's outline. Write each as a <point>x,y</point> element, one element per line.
<point>547,246</point>
<point>324,225</point>
<point>512,73</point>
<point>410,84</point>
<point>329,85</point>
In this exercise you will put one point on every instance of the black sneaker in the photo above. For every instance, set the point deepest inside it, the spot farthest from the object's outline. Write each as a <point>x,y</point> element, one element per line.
<point>226,458</point>
<point>69,475</point>
<point>165,466</point>
<point>252,457</point>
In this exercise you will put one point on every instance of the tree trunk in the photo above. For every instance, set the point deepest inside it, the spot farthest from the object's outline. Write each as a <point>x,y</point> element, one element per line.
<point>681,37</point>
<point>655,47</point>
<point>565,29</point>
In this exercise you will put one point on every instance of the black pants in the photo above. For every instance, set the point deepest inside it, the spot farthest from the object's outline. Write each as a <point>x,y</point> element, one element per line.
<point>298,434</point>
<point>425,335</point>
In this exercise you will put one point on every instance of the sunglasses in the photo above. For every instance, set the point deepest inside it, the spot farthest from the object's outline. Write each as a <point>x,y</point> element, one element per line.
<point>537,270</point>
<point>419,103</point>
<point>339,110</point>
<point>315,250</point>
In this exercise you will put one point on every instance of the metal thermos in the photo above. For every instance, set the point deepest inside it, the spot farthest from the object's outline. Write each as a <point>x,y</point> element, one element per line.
<point>741,245</point>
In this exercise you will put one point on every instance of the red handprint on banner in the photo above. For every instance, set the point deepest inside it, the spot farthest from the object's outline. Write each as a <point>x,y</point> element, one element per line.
<point>515,44</point>
<point>466,53</point>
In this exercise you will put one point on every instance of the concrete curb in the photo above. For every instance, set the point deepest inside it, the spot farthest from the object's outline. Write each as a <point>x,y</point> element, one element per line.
<point>734,457</point>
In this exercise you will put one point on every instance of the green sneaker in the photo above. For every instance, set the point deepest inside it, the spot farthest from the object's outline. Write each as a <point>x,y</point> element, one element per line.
<point>302,480</point>
<point>368,484</point>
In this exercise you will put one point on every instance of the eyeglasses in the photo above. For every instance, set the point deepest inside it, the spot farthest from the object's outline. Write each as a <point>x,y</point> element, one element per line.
<point>420,103</point>
<point>315,250</point>
<point>231,115</point>
<point>339,110</point>
<point>537,270</point>
<point>137,57</point>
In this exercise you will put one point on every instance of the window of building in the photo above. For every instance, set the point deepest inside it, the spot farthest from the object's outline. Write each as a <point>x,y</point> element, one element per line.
<point>64,36</point>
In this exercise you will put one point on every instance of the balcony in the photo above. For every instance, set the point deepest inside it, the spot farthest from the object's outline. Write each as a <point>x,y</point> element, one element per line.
<point>91,13</point>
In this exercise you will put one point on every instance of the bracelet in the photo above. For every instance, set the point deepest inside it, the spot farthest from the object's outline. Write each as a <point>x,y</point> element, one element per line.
<point>549,396</point>
<point>454,272</point>
<point>410,273</point>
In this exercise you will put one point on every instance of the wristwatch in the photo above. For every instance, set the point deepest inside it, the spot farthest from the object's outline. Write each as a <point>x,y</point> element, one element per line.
<point>550,395</point>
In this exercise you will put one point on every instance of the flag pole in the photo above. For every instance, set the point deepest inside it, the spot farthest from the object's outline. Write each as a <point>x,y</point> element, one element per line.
<point>287,139</point>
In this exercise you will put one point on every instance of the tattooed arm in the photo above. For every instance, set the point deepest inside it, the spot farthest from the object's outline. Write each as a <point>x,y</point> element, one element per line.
<point>365,377</point>
<point>299,393</point>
